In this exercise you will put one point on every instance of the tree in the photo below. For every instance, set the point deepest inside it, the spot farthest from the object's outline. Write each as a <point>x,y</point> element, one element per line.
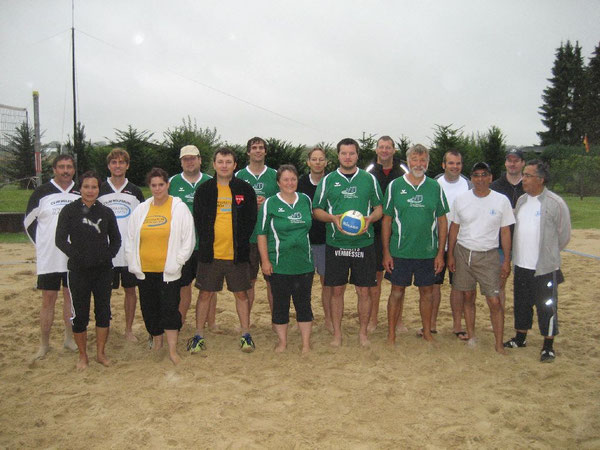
<point>281,152</point>
<point>20,156</point>
<point>366,153</point>
<point>403,145</point>
<point>444,138</point>
<point>80,149</point>
<point>563,108</point>
<point>592,99</point>
<point>143,152</point>
<point>493,149</point>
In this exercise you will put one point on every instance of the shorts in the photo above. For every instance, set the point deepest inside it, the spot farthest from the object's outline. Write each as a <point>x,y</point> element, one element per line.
<point>123,277</point>
<point>439,278</point>
<point>318,254</point>
<point>378,252</point>
<point>189,269</point>
<point>52,281</point>
<point>404,270</point>
<point>359,261</point>
<point>253,262</point>
<point>474,267</point>
<point>210,276</point>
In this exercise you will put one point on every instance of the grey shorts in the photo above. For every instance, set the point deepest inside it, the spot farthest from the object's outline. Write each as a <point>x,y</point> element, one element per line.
<point>477,267</point>
<point>210,276</point>
<point>318,254</point>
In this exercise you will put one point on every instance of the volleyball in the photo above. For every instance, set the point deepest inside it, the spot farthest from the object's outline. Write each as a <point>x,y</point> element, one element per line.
<point>352,222</point>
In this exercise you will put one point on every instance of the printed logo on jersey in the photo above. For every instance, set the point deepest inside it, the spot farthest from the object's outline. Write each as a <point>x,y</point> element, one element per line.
<point>120,208</point>
<point>94,225</point>
<point>224,204</point>
<point>258,187</point>
<point>296,217</point>
<point>281,209</point>
<point>336,184</point>
<point>155,221</point>
<point>403,191</point>
<point>350,192</point>
<point>57,205</point>
<point>189,198</point>
<point>350,252</point>
<point>538,213</point>
<point>416,201</point>
<point>493,212</point>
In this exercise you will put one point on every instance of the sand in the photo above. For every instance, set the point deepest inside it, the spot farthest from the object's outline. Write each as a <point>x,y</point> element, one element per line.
<point>414,395</point>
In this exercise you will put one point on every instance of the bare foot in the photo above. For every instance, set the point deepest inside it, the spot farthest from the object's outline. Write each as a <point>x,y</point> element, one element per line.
<point>102,359</point>
<point>472,342</point>
<point>336,341</point>
<point>329,326</point>
<point>42,351</point>
<point>371,327</point>
<point>391,340</point>
<point>306,350</point>
<point>70,344</point>
<point>501,349</point>
<point>400,328</point>
<point>214,328</point>
<point>157,342</point>
<point>174,357</point>
<point>280,348</point>
<point>129,336</point>
<point>82,363</point>
<point>427,336</point>
<point>364,341</point>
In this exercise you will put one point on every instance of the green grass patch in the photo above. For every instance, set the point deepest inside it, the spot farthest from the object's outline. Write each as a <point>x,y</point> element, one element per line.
<point>584,213</point>
<point>13,199</point>
<point>14,238</point>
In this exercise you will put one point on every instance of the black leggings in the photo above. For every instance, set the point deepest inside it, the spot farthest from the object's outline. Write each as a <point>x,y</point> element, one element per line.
<point>159,301</point>
<point>299,288</point>
<point>82,283</point>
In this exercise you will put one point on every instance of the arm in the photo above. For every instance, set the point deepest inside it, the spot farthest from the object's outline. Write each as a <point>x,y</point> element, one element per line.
<point>505,242</point>
<point>442,226</point>
<point>386,232</point>
<point>187,234</point>
<point>61,238</point>
<point>267,267</point>
<point>564,225</point>
<point>373,217</point>
<point>452,236</point>
<point>324,216</point>
<point>114,235</point>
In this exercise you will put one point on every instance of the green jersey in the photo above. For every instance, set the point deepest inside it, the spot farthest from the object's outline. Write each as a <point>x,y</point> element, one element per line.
<point>337,194</point>
<point>264,184</point>
<point>414,211</point>
<point>182,188</point>
<point>286,227</point>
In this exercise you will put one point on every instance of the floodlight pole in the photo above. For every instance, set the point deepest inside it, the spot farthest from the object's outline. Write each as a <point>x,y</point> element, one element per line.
<point>73,71</point>
<point>37,142</point>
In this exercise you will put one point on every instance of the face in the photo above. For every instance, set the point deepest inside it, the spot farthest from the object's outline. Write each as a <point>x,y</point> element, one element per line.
<point>257,152</point>
<point>288,182</point>
<point>385,151</point>
<point>191,164</point>
<point>514,165</point>
<point>348,157</point>
<point>532,183</point>
<point>317,162</point>
<point>224,166</point>
<point>417,164</point>
<point>64,171</point>
<point>481,179</point>
<point>89,190</point>
<point>118,167</point>
<point>453,166</point>
<point>159,188</point>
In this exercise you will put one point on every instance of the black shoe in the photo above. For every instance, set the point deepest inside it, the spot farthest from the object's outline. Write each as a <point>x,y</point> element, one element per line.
<point>547,356</point>
<point>512,343</point>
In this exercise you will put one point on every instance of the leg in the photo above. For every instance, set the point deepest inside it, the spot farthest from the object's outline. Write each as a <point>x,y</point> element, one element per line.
<point>202,307</point>
<point>457,303</point>
<point>375,295</point>
<point>364,309</point>
<point>102,289</point>
<point>301,294</point>
<point>326,293</point>
<point>172,336</point>
<point>281,330</point>
<point>436,298</point>
<point>426,309</point>
<point>283,286</point>
<point>150,292</point>
<point>212,313</point>
<point>394,311</point>
<point>250,294</point>
<point>129,305</point>
<point>185,295</point>
<point>69,343</point>
<point>337,311</point>
<point>81,341</point>
<point>46,319</point>
<point>101,338</point>
<point>469,310</point>
<point>242,306</point>
<point>497,319</point>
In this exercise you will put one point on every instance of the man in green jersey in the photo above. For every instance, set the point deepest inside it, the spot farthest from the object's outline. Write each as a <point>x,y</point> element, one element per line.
<point>184,185</point>
<point>264,181</point>
<point>349,188</point>
<point>413,231</point>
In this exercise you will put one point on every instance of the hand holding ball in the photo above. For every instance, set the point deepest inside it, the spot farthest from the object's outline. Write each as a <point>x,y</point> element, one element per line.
<point>352,222</point>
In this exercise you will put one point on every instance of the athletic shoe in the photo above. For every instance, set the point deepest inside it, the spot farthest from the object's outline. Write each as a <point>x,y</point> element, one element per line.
<point>514,344</point>
<point>246,343</point>
<point>196,344</point>
<point>547,356</point>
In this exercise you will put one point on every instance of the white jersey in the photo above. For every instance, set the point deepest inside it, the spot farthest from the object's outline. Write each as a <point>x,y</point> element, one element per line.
<point>122,201</point>
<point>41,218</point>
<point>526,243</point>
<point>480,219</point>
<point>453,190</point>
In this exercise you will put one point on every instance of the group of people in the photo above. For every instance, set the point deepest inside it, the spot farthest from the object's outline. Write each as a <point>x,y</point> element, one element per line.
<point>230,226</point>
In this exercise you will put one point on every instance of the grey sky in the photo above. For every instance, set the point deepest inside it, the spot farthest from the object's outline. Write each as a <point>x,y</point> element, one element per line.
<point>336,68</point>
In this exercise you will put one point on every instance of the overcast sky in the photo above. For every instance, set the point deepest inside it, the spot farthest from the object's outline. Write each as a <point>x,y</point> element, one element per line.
<point>302,71</point>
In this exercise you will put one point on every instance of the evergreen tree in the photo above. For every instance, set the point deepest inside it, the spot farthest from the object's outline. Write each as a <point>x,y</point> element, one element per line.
<point>592,99</point>
<point>366,153</point>
<point>563,108</point>
<point>493,149</point>
<point>144,153</point>
<point>80,150</point>
<point>444,138</point>
<point>20,156</point>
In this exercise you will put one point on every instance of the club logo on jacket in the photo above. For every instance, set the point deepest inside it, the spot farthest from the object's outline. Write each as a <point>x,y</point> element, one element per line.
<point>239,199</point>
<point>94,225</point>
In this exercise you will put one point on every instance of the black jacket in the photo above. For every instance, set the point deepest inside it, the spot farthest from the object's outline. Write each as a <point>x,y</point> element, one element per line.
<point>317,230</point>
<point>512,191</point>
<point>243,215</point>
<point>88,236</point>
<point>384,180</point>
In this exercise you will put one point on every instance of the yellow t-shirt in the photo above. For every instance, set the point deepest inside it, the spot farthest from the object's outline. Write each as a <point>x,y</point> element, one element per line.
<point>154,237</point>
<point>223,245</point>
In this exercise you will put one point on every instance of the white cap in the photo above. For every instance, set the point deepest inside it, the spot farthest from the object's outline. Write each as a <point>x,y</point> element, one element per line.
<point>189,150</point>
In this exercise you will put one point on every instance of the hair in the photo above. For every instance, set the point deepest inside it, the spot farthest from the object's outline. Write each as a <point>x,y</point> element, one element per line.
<point>157,172</point>
<point>224,151</point>
<point>541,168</point>
<point>419,149</point>
<point>453,152</point>
<point>116,153</point>
<point>347,141</point>
<point>255,140</point>
<point>316,149</point>
<point>387,139</point>
<point>286,167</point>
<point>63,157</point>
<point>90,174</point>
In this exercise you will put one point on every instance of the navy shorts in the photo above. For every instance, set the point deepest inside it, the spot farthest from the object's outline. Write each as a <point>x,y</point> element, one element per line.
<point>359,261</point>
<point>405,269</point>
<point>189,269</point>
<point>123,277</point>
<point>52,281</point>
<point>439,278</point>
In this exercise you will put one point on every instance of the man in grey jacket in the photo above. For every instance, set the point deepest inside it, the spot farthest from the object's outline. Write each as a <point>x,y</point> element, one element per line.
<point>542,230</point>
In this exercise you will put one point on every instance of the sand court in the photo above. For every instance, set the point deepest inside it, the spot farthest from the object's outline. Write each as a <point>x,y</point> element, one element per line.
<point>414,395</point>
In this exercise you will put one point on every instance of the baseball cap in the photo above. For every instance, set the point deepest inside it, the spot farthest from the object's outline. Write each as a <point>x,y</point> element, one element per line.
<point>481,166</point>
<point>189,150</point>
<point>516,152</point>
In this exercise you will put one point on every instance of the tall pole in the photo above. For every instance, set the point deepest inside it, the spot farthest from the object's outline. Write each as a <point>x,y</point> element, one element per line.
<point>73,70</point>
<point>37,141</point>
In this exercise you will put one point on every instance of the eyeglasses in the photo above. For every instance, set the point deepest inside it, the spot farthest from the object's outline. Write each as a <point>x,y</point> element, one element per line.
<point>479,175</point>
<point>528,175</point>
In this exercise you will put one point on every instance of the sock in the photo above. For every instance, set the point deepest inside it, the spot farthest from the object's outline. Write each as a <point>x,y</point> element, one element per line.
<point>548,344</point>
<point>520,337</point>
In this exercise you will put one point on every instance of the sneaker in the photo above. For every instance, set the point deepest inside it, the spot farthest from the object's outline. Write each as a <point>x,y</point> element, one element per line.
<point>246,343</point>
<point>196,344</point>
<point>512,343</point>
<point>547,356</point>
